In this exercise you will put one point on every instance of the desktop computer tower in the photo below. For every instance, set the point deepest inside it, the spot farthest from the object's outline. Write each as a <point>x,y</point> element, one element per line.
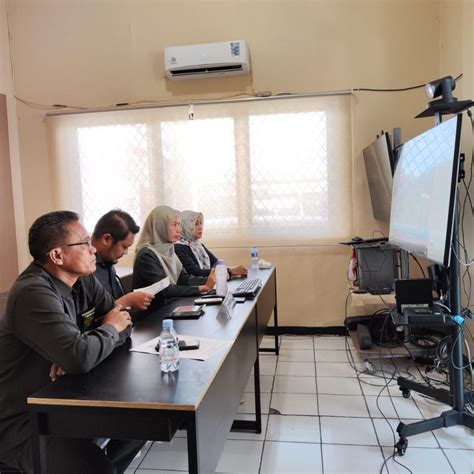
<point>376,268</point>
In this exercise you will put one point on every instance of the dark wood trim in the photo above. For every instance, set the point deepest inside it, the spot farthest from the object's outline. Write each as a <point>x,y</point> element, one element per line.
<point>8,248</point>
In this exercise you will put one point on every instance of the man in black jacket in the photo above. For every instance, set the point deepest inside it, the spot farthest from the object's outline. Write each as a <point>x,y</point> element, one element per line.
<point>113,235</point>
<point>58,320</point>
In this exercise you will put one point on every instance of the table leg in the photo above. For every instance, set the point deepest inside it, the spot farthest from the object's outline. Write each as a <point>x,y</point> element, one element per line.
<point>193,464</point>
<point>39,453</point>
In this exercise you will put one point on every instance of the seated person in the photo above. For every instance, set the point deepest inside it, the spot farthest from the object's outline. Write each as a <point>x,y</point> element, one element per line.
<point>51,326</point>
<point>156,259</point>
<point>114,233</point>
<point>195,257</point>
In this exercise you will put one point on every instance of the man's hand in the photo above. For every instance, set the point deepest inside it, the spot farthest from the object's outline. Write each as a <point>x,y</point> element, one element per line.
<point>239,270</point>
<point>56,371</point>
<point>137,300</point>
<point>120,320</point>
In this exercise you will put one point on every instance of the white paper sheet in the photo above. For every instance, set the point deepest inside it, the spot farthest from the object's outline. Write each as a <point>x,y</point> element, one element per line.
<point>207,347</point>
<point>156,287</point>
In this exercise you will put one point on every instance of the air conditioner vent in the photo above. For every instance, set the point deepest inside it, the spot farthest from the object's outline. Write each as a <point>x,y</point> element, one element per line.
<point>206,70</point>
<point>230,58</point>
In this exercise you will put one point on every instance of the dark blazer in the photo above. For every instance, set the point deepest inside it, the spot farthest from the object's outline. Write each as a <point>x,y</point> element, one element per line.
<point>147,270</point>
<point>189,260</point>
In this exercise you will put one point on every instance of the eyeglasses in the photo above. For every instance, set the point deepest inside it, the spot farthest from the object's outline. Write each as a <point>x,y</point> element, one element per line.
<point>87,242</point>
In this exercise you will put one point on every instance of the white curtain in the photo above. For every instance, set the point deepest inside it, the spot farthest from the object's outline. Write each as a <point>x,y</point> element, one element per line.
<point>272,172</point>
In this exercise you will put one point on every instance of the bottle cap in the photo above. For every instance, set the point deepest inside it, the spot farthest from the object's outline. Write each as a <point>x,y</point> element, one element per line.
<point>167,323</point>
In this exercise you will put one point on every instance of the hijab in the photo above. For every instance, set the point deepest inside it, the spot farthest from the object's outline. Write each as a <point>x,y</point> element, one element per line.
<point>188,222</point>
<point>154,236</point>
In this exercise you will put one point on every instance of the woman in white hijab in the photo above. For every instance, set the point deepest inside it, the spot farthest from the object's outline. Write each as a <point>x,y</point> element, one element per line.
<point>156,259</point>
<point>195,257</point>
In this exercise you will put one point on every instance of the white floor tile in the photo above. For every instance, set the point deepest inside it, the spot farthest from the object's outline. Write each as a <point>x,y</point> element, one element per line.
<point>418,460</point>
<point>304,429</point>
<point>291,458</point>
<point>335,369</point>
<point>172,455</point>
<point>140,456</point>
<point>266,383</point>
<point>346,459</point>
<point>296,355</point>
<point>336,430</point>
<point>249,403</point>
<point>297,342</point>
<point>324,355</point>
<point>267,365</point>
<point>268,342</point>
<point>455,437</point>
<point>428,407</point>
<point>287,384</point>
<point>331,342</point>
<point>249,436</point>
<point>462,460</point>
<point>240,456</point>
<point>303,369</point>
<point>392,407</point>
<point>388,437</point>
<point>339,385</point>
<point>342,405</point>
<point>294,403</point>
<point>375,385</point>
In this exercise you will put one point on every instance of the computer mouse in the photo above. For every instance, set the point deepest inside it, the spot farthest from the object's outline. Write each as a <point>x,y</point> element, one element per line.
<point>357,239</point>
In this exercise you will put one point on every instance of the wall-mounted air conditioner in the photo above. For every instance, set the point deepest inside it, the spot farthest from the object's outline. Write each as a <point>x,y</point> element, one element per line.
<point>230,58</point>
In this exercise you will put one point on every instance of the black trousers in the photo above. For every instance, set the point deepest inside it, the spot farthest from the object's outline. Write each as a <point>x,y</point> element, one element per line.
<point>76,456</point>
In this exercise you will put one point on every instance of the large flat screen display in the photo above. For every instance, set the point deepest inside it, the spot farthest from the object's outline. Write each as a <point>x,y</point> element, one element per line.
<point>424,192</point>
<point>378,159</point>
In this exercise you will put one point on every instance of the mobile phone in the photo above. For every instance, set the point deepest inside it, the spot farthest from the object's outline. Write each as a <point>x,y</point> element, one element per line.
<point>183,346</point>
<point>209,301</point>
<point>209,295</point>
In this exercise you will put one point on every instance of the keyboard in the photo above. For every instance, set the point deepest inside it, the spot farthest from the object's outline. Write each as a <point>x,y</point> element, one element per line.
<point>248,288</point>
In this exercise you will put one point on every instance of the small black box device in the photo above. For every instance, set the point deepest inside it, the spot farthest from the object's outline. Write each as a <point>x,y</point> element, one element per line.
<point>414,293</point>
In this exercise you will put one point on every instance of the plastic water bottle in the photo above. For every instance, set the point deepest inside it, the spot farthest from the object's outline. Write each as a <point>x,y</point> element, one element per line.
<point>169,350</point>
<point>221,278</point>
<point>254,257</point>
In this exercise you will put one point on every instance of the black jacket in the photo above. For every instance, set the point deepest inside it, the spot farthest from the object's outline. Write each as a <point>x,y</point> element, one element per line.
<point>189,260</point>
<point>147,270</point>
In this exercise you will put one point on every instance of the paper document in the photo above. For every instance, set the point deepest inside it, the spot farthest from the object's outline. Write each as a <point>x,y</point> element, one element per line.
<point>156,287</point>
<point>207,347</point>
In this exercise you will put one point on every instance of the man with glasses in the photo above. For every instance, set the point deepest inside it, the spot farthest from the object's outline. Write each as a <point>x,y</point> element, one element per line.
<point>58,320</point>
<point>113,235</point>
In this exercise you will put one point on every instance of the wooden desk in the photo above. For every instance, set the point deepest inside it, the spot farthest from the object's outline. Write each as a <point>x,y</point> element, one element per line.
<point>128,397</point>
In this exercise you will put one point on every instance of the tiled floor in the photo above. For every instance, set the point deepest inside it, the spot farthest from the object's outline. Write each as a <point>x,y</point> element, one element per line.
<point>323,415</point>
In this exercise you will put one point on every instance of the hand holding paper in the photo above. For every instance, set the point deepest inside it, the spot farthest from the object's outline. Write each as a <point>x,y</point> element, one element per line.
<point>156,287</point>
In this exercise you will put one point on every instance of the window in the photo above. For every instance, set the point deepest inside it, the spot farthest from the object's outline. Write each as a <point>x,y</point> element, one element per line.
<point>260,171</point>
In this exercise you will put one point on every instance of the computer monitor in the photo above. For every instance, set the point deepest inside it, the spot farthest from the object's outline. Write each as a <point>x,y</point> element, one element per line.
<point>379,165</point>
<point>424,192</point>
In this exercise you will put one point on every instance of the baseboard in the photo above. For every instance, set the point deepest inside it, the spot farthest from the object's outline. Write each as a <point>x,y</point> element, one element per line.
<point>306,331</point>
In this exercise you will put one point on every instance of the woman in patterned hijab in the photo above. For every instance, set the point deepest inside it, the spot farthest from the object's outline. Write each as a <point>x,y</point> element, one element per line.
<point>195,257</point>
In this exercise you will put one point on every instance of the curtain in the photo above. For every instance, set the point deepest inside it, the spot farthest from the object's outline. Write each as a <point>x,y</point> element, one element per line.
<point>269,172</point>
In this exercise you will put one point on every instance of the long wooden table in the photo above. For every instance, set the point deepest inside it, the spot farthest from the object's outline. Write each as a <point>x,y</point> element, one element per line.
<point>128,397</point>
